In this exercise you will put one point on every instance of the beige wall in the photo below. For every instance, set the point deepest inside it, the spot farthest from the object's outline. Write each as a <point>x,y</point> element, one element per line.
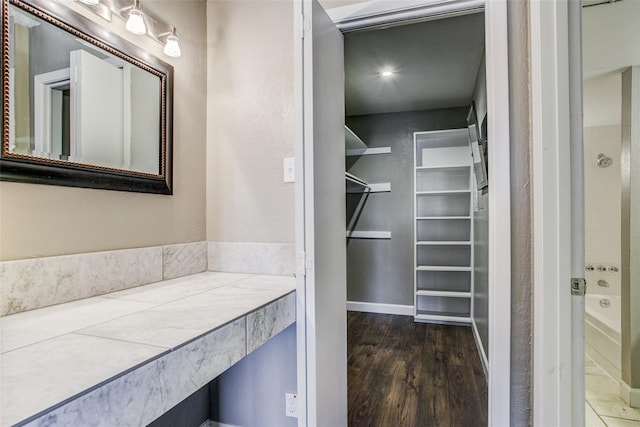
<point>44,220</point>
<point>250,121</point>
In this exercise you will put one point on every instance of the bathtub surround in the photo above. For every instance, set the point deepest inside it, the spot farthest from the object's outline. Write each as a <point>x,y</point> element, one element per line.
<point>602,235</point>
<point>101,366</point>
<point>41,282</point>
<point>602,208</point>
<point>602,332</point>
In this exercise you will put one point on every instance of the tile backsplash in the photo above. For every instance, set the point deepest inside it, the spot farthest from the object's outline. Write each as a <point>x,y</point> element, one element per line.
<point>40,282</point>
<point>33,283</point>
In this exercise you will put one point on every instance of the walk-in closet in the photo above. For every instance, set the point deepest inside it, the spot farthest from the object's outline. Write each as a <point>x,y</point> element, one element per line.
<point>417,221</point>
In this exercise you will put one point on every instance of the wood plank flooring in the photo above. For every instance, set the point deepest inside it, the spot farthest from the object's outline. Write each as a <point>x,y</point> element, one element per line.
<point>406,374</point>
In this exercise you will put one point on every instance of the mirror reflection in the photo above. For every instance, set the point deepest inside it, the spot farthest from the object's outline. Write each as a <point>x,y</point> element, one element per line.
<point>72,101</point>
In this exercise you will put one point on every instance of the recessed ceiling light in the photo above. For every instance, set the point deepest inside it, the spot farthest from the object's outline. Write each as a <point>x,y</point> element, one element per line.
<point>386,73</point>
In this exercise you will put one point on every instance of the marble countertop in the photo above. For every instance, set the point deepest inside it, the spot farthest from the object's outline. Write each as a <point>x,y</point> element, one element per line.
<point>98,357</point>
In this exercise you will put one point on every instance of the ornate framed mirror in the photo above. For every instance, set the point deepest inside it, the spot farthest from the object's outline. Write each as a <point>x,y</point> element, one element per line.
<point>82,106</point>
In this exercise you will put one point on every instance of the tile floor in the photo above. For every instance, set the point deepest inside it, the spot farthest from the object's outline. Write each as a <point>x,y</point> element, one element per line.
<point>604,406</point>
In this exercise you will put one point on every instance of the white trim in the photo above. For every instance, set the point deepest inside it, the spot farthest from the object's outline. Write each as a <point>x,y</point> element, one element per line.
<point>369,235</point>
<point>576,188</point>
<point>481,352</point>
<point>43,84</point>
<point>631,396</point>
<point>552,362</point>
<point>446,319</point>
<point>299,201</point>
<point>377,13</point>
<point>499,200</point>
<point>374,307</point>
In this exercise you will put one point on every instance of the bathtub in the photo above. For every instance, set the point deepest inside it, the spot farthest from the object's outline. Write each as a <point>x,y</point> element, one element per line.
<point>602,332</point>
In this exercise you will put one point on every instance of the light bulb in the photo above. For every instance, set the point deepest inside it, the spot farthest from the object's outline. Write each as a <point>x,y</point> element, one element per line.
<point>135,23</point>
<point>172,48</point>
<point>90,2</point>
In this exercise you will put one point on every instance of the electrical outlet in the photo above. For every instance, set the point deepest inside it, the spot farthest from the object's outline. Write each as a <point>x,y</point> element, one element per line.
<point>291,405</point>
<point>289,166</point>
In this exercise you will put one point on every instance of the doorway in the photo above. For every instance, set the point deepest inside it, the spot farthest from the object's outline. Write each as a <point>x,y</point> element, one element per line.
<point>418,226</point>
<point>610,100</point>
<point>319,294</point>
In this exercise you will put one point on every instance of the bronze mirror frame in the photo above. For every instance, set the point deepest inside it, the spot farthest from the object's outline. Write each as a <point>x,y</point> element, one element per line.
<point>38,170</point>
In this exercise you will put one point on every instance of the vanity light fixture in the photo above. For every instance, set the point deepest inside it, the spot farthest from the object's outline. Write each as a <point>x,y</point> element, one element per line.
<point>135,23</point>
<point>171,47</point>
<point>138,22</point>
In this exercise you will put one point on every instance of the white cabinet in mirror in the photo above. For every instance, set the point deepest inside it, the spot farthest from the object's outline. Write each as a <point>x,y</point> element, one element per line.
<point>82,110</point>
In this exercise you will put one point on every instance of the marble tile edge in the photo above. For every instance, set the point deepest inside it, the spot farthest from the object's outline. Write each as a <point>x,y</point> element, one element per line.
<point>240,320</point>
<point>169,353</point>
<point>42,413</point>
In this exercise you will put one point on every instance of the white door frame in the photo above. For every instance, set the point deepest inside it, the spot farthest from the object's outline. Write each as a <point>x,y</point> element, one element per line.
<point>558,390</point>
<point>374,12</point>
<point>43,86</point>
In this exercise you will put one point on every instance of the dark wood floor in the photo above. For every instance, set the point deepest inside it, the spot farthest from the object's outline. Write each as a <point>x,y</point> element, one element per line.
<point>405,374</point>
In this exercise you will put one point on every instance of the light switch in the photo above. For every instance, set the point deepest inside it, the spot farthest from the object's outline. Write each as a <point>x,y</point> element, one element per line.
<point>289,165</point>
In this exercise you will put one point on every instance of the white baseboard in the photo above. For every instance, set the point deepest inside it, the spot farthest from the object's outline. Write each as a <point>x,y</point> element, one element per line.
<point>631,396</point>
<point>483,355</point>
<point>372,307</point>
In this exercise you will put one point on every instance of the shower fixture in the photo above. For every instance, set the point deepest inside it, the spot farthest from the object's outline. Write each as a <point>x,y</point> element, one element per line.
<point>604,161</point>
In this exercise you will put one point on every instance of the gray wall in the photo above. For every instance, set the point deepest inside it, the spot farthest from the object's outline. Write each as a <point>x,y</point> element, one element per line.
<point>251,392</point>
<point>481,230</point>
<point>49,48</point>
<point>381,271</point>
<point>191,412</point>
